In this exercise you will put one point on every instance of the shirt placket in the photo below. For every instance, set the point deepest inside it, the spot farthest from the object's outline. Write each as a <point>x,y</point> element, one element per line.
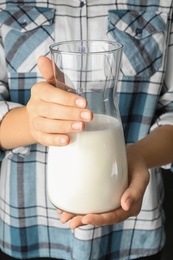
<point>83,20</point>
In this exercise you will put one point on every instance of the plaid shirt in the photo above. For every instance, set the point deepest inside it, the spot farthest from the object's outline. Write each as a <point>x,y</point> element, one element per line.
<point>29,224</point>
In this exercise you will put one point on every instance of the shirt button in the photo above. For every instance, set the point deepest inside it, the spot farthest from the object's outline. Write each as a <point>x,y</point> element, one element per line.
<point>138,31</point>
<point>23,24</point>
<point>82,4</point>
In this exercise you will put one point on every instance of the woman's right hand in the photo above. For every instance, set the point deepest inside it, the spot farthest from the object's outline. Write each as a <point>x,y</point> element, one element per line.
<point>53,112</point>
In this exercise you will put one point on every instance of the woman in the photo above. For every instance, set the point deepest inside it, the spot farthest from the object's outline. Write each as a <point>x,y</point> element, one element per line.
<point>30,225</point>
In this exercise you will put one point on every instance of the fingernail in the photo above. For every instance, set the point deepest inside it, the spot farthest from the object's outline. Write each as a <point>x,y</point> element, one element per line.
<point>85,115</point>
<point>63,140</point>
<point>80,102</point>
<point>128,203</point>
<point>59,211</point>
<point>77,125</point>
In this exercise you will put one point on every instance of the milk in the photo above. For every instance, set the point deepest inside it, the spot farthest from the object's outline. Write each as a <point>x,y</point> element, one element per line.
<point>90,174</point>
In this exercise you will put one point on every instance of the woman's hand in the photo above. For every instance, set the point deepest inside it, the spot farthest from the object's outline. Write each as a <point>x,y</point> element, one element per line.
<point>53,112</point>
<point>131,200</point>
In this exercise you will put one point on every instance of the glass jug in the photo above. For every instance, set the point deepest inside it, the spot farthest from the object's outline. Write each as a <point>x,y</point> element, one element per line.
<point>90,174</point>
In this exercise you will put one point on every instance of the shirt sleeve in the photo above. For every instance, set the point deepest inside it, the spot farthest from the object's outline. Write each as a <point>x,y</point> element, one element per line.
<point>5,104</point>
<point>165,104</point>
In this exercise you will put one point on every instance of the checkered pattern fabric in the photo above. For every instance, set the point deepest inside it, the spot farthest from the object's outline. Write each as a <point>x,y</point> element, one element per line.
<point>29,224</point>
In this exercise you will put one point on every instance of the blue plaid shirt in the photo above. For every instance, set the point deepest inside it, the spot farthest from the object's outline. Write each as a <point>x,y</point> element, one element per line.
<point>29,224</point>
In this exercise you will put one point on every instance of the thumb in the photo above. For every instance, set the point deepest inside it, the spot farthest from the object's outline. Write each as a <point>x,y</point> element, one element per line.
<point>133,196</point>
<point>45,66</point>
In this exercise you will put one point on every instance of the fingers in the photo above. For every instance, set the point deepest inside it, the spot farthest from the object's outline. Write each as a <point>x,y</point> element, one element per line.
<point>131,200</point>
<point>52,132</point>
<point>57,111</point>
<point>108,218</point>
<point>49,126</point>
<point>65,217</point>
<point>53,113</point>
<point>103,219</point>
<point>74,221</point>
<point>51,139</point>
<point>133,196</point>
<point>49,93</point>
<point>138,176</point>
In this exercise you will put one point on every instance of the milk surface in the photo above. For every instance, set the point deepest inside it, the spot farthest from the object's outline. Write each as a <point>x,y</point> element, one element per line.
<point>90,174</point>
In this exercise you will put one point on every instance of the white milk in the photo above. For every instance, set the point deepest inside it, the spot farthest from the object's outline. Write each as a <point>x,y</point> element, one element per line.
<point>90,174</point>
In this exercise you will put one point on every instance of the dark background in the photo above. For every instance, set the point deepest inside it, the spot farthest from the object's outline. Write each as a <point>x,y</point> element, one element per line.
<point>168,207</point>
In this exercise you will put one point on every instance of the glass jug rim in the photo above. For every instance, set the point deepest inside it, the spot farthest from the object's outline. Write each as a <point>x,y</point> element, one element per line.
<point>55,47</point>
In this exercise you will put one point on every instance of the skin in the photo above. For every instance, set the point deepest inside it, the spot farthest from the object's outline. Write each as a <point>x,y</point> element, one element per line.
<point>51,113</point>
<point>153,151</point>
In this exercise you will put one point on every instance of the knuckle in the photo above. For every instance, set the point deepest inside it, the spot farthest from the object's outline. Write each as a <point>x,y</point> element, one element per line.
<point>40,89</point>
<point>35,88</point>
<point>29,106</point>
<point>63,127</point>
<point>36,123</point>
<point>43,110</point>
<point>44,139</point>
<point>74,113</point>
<point>44,91</point>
